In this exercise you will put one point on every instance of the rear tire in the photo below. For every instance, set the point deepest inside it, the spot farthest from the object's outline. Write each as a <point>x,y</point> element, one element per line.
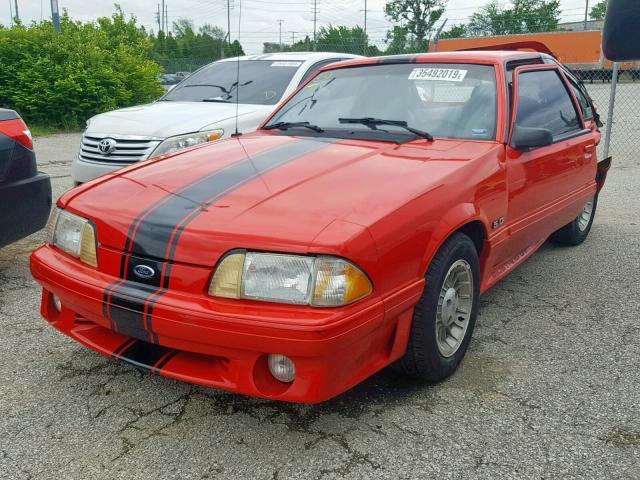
<point>576,231</point>
<point>454,273</point>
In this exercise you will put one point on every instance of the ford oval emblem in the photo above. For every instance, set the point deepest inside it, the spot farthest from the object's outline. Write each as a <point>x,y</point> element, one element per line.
<point>144,271</point>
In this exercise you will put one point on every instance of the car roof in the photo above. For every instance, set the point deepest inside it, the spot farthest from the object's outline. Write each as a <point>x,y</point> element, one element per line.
<point>470,56</point>
<point>294,56</point>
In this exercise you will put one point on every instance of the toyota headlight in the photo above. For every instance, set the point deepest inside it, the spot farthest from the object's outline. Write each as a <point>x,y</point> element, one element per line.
<point>322,281</point>
<point>173,144</point>
<point>74,235</point>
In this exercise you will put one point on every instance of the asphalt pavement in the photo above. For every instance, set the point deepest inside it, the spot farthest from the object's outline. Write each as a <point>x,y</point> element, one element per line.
<point>550,387</point>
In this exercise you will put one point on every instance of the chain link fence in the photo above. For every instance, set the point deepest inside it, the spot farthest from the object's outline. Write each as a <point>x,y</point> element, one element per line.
<point>625,121</point>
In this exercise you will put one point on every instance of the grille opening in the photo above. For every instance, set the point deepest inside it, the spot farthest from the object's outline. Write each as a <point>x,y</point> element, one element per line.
<point>123,152</point>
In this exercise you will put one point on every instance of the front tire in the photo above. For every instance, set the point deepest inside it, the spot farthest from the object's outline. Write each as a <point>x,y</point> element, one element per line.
<point>576,231</point>
<point>445,316</point>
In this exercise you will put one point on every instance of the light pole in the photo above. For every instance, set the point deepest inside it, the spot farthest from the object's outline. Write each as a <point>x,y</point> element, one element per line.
<point>586,14</point>
<point>315,19</point>
<point>55,15</point>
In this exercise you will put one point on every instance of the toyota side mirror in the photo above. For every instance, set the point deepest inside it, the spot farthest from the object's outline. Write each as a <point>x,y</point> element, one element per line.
<point>528,138</point>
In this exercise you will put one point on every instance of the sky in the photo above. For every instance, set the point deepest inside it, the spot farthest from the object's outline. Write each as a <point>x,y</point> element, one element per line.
<point>260,18</point>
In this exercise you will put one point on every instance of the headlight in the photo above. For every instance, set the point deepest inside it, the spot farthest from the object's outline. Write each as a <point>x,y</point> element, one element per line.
<point>322,281</point>
<point>74,235</point>
<point>174,144</point>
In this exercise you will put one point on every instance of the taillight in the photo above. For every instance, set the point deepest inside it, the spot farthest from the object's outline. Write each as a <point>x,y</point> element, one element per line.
<point>17,129</point>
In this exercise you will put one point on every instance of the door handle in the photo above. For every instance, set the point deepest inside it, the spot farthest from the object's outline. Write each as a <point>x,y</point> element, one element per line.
<point>590,147</point>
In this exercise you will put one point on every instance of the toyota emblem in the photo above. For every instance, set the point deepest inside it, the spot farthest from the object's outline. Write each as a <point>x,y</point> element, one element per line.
<point>106,146</point>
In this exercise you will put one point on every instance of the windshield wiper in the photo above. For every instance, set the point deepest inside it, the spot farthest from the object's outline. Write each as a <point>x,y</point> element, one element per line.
<point>288,125</point>
<point>216,100</point>
<point>374,122</point>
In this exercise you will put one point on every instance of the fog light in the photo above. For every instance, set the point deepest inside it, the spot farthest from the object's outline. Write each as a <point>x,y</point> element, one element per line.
<point>57,303</point>
<point>282,368</point>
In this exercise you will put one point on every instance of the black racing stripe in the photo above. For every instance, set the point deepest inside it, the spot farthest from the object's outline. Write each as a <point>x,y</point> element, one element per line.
<point>122,347</point>
<point>398,59</point>
<point>143,354</point>
<point>127,309</point>
<point>158,233</point>
<point>164,361</point>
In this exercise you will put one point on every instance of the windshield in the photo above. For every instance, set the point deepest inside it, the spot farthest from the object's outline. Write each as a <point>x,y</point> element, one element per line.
<point>262,82</point>
<point>446,100</point>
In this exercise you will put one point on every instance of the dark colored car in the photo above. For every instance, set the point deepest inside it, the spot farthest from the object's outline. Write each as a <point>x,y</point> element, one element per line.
<point>25,193</point>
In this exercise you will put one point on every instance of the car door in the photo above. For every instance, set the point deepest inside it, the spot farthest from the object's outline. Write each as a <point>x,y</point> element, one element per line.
<point>546,183</point>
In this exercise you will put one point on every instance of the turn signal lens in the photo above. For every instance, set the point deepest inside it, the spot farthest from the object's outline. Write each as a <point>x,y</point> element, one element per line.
<point>227,280</point>
<point>51,224</point>
<point>339,282</point>
<point>88,252</point>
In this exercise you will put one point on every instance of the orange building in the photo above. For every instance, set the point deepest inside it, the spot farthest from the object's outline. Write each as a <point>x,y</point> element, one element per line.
<point>580,51</point>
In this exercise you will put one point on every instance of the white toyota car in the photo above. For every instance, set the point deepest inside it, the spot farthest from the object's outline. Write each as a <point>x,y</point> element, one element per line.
<point>201,108</point>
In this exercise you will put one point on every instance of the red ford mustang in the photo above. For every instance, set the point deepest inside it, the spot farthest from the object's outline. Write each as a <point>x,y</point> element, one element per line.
<point>356,229</point>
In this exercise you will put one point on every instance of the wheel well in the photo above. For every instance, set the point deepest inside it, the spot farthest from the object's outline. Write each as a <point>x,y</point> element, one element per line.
<point>476,232</point>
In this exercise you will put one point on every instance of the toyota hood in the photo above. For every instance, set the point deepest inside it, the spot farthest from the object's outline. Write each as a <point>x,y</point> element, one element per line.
<point>165,119</point>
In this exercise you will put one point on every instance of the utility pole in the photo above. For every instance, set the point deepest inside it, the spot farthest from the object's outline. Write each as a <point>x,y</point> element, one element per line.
<point>293,38</point>
<point>365,17</point>
<point>315,22</point>
<point>229,21</point>
<point>366,40</point>
<point>166,18</point>
<point>586,14</point>
<point>162,16</point>
<point>55,15</point>
<point>158,18</point>
<point>11,13</point>
<point>17,13</point>
<point>280,25</point>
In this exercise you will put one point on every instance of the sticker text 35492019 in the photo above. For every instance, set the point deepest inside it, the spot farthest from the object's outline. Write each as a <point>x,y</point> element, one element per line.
<point>446,74</point>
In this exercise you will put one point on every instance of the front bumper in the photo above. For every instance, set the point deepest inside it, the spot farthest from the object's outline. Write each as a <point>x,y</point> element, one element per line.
<point>332,352</point>
<point>82,172</point>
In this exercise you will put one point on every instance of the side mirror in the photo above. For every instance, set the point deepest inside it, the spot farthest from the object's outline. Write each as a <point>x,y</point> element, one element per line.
<point>620,39</point>
<point>527,138</point>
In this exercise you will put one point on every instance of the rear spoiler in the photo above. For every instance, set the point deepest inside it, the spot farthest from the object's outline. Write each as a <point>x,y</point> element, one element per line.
<point>531,45</point>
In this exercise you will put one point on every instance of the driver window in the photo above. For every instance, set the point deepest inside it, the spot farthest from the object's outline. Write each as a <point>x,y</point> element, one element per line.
<point>544,102</point>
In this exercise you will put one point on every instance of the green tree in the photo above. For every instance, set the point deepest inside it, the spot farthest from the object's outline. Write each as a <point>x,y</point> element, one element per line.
<point>343,39</point>
<point>233,50</point>
<point>523,16</point>
<point>417,16</point>
<point>63,78</point>
<point>456,31</point>
<point>599,10</point>
<point>396,41</point>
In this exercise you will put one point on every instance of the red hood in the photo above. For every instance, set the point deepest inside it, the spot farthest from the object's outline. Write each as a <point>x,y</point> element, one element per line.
<point>263,191</point>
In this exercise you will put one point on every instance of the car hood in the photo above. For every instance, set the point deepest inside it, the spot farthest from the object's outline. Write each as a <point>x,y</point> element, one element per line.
<point>166,119</point>
<point>262,191</point>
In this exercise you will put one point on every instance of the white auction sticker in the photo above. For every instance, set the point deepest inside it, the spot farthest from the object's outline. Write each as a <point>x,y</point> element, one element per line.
<point>446,74</point>
<point>286,64</point>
